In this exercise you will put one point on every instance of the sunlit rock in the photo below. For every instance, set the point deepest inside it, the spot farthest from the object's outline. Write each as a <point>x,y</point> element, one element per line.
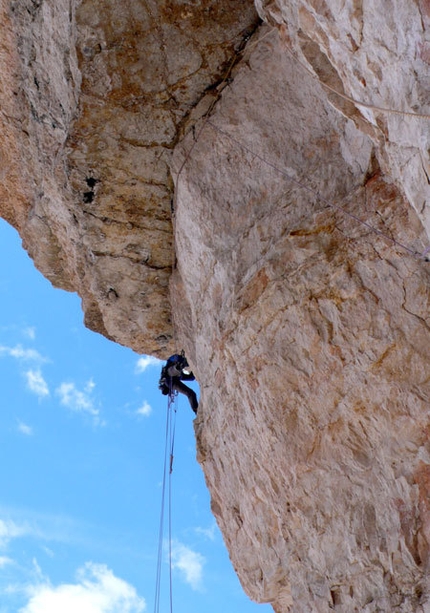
<point>257,193</point>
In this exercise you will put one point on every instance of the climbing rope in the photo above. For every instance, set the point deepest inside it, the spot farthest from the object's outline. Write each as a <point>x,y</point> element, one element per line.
<point>169,445</point>
<point>367,105</point>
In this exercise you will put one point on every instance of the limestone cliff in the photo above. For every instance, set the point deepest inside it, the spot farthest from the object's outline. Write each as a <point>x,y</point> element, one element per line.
<point>94,97</point>
<point>293,159</point>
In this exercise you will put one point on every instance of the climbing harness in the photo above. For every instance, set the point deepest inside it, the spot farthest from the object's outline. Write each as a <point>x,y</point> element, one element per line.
<point>166,500</point>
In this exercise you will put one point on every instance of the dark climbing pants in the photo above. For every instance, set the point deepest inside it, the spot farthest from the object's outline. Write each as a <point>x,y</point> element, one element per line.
<point>180,387</point>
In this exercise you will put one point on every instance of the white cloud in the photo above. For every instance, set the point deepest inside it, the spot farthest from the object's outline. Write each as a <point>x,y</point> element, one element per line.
<point>145,409</point>
<point>30,332</point>
<point>189,563</point>
<point>90,386</point>
<point>36,383</point>
<point>48,552</point>
<point>145,361</point>
<point>97,591</point>
<point>4,561</point>
<point>25,429</point>
<point>20,353</point>
<point>208,533</point>
<point>43,528</point>
<point>77,400</point>
<point>10,530</point>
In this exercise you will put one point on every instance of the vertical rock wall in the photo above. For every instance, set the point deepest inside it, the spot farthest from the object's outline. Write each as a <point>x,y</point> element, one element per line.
<point>299,289</point>
<point>376,53</point>
<point>39,95</point>
<point>309,332</point>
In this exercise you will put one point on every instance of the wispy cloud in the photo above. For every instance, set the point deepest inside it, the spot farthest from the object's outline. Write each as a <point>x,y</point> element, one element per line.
<point>80,401</point>
<point>10,530</point>
<point>48,552</point>
<point>43,527</point>
<point>208,533</point>
<point>25,429</point>
<point>36,383</point>
<point>189,563</point>
<point>145,410</point>
<point>20,353</point>
<point>97,590</point>
<point>145,361</point>
<point>34,378</point>
<point>4,561</point>
<point>30,332</point>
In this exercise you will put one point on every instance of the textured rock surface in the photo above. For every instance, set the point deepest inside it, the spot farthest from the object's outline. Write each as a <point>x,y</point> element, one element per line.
<point>308,329</point>
<point>95,94</point>
<point>144,69</point>
<point>310,335</point>
<point>376,53</point>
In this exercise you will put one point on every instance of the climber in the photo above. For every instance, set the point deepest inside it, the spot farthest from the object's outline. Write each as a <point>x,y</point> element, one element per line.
<point>172,374</point>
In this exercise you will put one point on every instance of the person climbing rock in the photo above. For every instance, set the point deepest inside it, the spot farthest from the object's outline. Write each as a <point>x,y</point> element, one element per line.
<point>172,374</point>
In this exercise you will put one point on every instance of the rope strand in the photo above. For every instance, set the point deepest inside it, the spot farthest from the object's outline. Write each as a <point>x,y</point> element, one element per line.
<point>167,472</point>
<point>161,523</point>
<point>367,105</point>
<point>172,402</point>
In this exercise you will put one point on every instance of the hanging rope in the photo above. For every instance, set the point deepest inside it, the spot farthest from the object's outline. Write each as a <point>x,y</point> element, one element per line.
<point>172,403</point>
<point>367,105</point>
<point>167,481</point>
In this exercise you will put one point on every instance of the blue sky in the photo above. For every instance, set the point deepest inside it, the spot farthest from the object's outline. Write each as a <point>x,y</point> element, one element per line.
<point>81,461</point>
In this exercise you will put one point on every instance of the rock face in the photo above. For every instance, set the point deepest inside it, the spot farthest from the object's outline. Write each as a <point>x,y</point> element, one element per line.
<point>95,96</point>
<point>309,332</point>
<point>300,230</point>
